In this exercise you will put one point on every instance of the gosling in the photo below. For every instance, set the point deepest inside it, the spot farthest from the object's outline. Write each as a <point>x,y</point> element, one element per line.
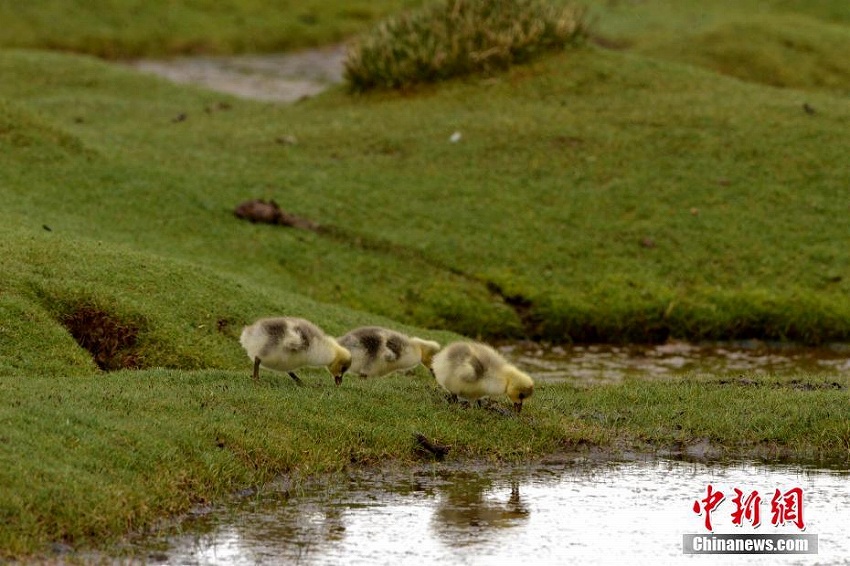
<point>472,370</point>
<point>378,351</point>
<point>288,343</point>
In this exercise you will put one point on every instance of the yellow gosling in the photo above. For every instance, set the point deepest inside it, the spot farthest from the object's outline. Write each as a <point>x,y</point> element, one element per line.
<point>379,351</point>
<point>471,371</point>
<point>288,343</point>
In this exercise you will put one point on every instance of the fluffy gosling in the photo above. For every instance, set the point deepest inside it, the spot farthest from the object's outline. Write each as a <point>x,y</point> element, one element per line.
<point>288,343</point>
<point>378,351</point>
<point>472,370</point>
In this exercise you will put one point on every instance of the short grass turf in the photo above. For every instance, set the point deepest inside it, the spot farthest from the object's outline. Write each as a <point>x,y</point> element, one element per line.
<point>87,459</point>
<point>593,196</point>
<point>117,29</point>
<point>784,43</point>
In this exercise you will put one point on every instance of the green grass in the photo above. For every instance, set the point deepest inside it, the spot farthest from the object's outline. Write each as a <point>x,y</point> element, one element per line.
<point>598,195</point>
<point>544,204</point>
<point>185,315</point>
<point>784,43</point>
<point>86,459</point>
<point>118,29</point>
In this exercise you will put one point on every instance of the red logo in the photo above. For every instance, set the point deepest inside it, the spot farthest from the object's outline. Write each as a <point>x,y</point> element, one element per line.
<point>785,507</point>
<point>746,508</point>
<point>707,505</point>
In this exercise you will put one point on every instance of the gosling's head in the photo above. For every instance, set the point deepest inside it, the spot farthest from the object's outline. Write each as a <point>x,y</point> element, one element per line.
<point>520,387</point>
<point>427,350</point>
<point>341,363</point>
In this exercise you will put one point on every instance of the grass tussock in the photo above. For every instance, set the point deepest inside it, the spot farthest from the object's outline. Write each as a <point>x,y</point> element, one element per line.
<point>459,37</point>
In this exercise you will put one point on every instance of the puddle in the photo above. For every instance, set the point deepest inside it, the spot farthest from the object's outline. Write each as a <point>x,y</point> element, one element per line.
<point>595,364</point>
<point>554,513</point>
<point>285,77</point>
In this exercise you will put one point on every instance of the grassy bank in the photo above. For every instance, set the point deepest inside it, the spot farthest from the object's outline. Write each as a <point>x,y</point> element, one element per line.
<point>157,28</point>
<point>784,43</point>
<point>86,459</point>
<point>594,195</point>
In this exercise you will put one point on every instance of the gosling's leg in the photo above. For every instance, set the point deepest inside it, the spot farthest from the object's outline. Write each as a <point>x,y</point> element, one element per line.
<point>296,378</point>
<point>256,369</point>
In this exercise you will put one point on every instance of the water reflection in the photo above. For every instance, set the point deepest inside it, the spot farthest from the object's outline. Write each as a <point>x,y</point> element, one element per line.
<point>470,510</point>
<point>556,512</point>
<point>594,364</point>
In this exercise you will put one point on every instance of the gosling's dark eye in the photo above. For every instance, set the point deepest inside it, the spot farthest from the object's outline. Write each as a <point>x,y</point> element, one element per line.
<point>521,396</point>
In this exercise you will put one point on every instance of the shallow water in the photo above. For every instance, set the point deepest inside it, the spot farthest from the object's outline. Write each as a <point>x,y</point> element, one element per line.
<point>551,513</point>
<point>595,364</point>
<point>284,77</point>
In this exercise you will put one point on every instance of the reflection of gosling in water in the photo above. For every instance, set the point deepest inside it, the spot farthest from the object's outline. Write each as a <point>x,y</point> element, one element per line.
<point>287,343</point>
<point>472,370</point>
<point>467,502</point>
<point>378,351</point>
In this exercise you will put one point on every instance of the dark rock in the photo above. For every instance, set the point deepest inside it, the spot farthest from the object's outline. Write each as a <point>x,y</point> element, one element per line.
<point>425,447</point>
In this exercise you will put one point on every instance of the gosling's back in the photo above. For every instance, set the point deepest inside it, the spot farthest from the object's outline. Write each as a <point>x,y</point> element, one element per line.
<point>377,351</point>
<point>470,370</point>
<point>287,343</point>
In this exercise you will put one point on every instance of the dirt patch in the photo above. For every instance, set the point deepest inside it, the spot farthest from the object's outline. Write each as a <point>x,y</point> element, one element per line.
<point>111,341</point>
<point>259,210</point>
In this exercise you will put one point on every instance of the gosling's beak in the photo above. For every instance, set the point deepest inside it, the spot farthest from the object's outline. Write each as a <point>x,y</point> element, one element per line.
<point>517,407</point>
<point>338,379</point>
